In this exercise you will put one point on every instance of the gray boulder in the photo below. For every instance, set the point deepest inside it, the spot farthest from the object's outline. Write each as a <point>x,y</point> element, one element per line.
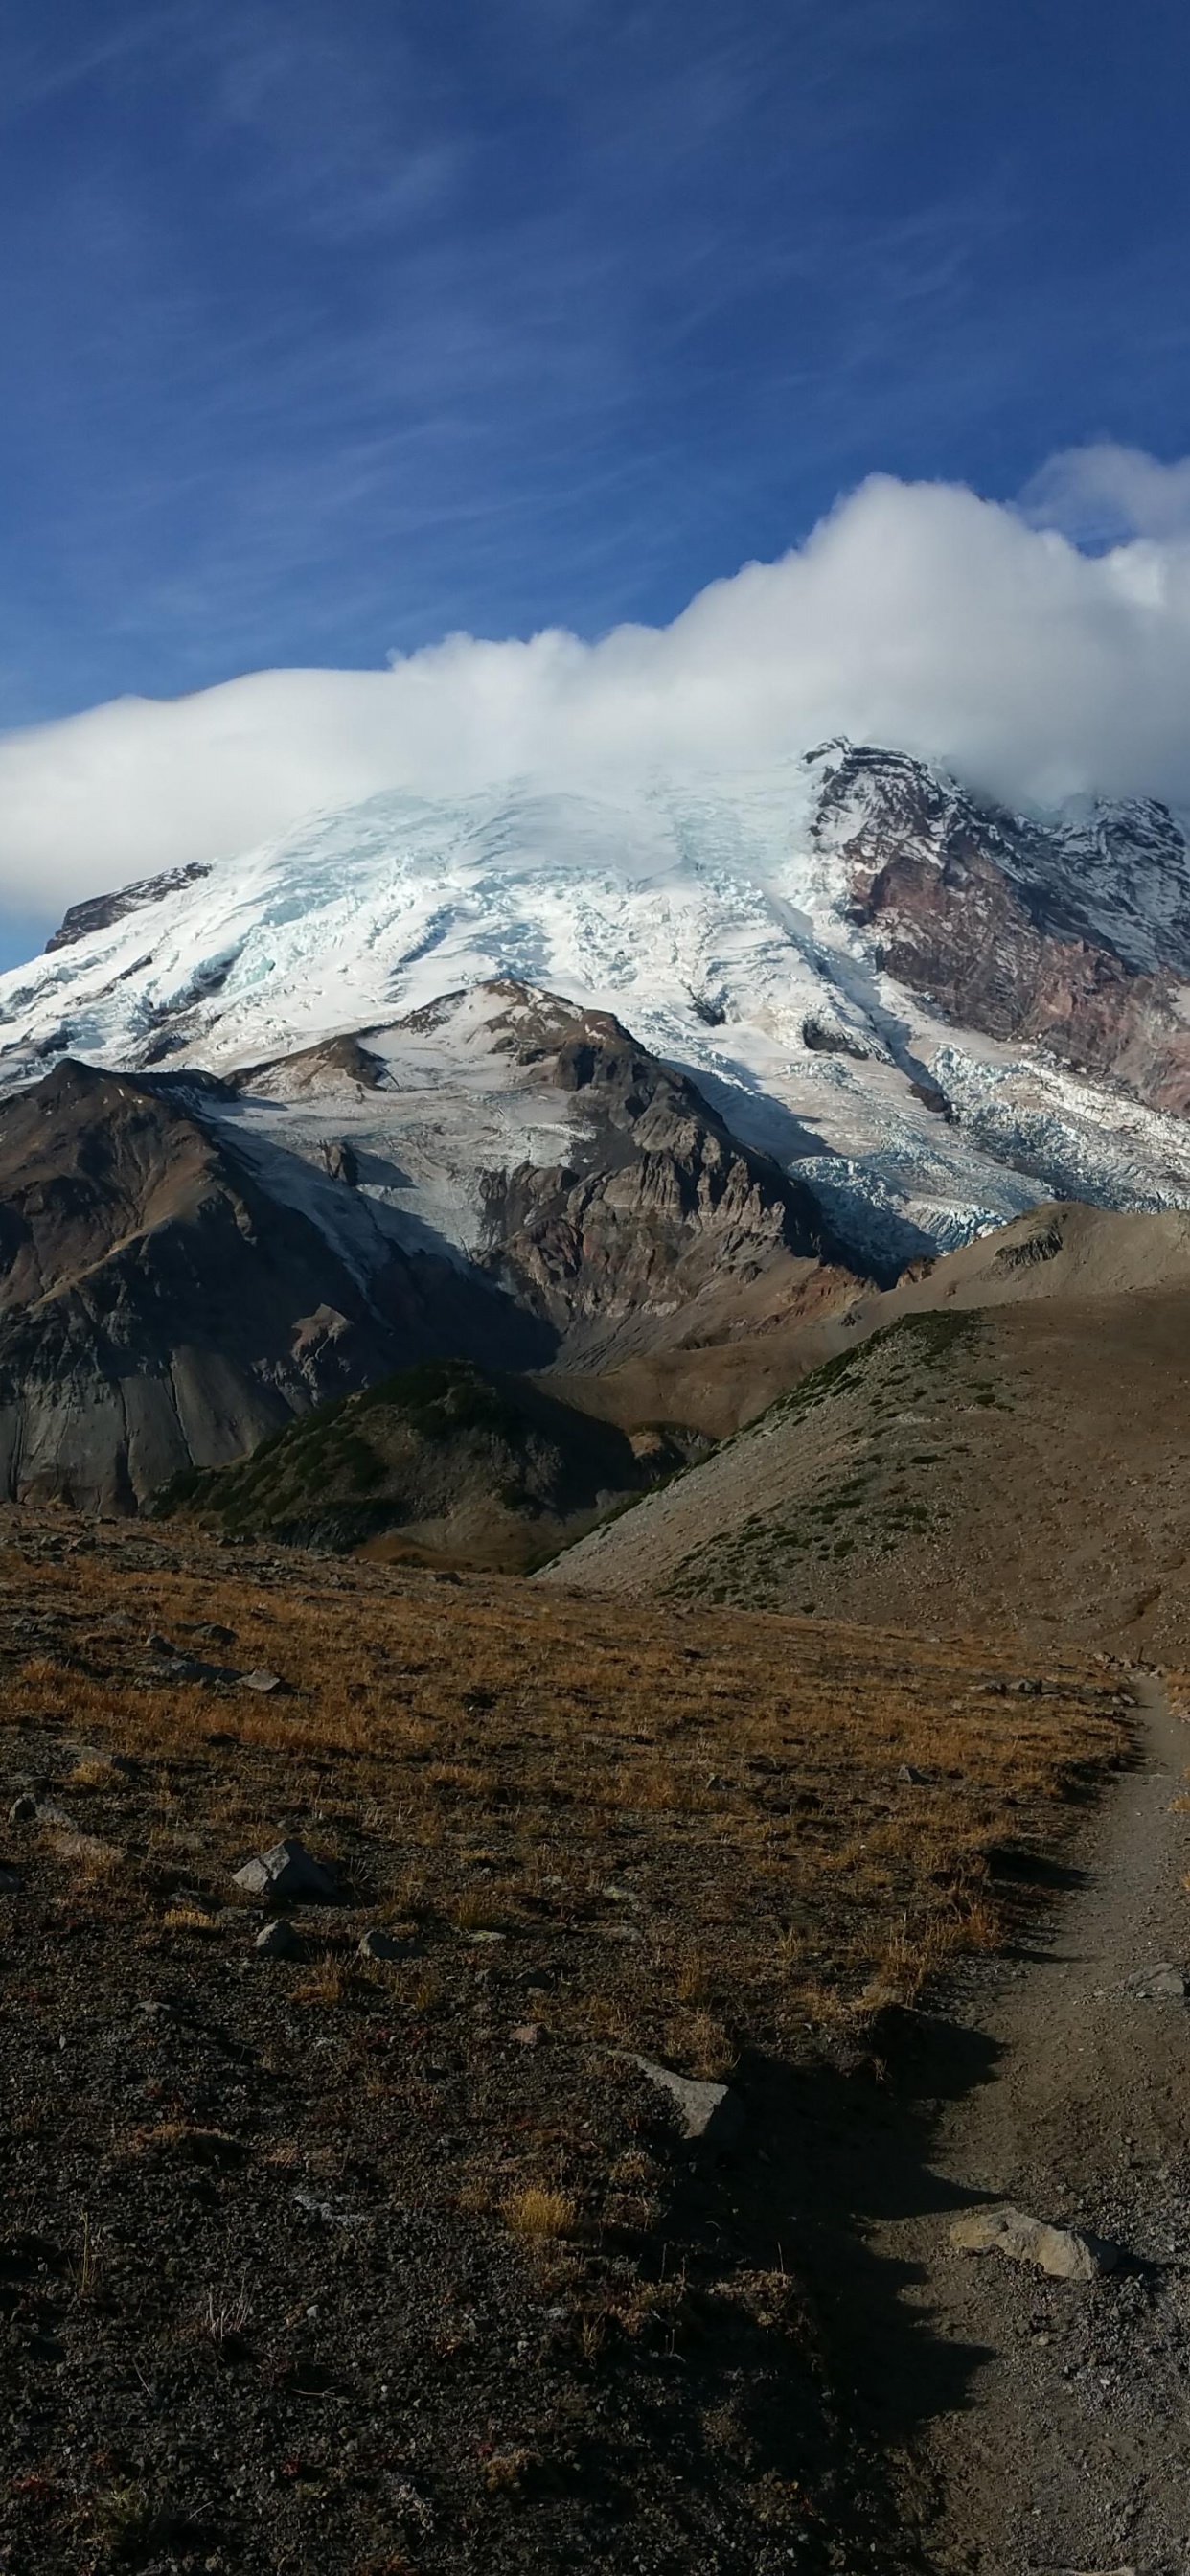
<point>1065,2253</point>
<point>286,1872</point>
<point>278,1940</point>
<point>709,2115</point>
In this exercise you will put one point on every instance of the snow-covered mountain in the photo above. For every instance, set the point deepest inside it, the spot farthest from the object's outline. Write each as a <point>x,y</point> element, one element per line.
<point>930,1012</point>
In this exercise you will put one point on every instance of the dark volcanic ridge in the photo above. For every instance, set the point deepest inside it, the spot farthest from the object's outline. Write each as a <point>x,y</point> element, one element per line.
<point>170,1294</point>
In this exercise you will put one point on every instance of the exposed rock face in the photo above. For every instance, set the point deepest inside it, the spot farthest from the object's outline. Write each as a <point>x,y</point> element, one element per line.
<point>101,910</point>
<point>158,1307</point>
<point>169,1294</point>
<point>1078,940</point>
<point>657,1199</point>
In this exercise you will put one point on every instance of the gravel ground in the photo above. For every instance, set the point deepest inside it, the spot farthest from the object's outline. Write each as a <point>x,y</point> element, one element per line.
<point>1049,2421</point>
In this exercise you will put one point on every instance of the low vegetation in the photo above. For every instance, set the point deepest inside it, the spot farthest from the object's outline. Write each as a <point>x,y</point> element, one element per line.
<point>384,2263</point>
<point>444,1458</point>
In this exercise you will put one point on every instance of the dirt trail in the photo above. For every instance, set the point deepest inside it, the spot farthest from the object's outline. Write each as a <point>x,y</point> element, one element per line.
<point>1062,2438</point>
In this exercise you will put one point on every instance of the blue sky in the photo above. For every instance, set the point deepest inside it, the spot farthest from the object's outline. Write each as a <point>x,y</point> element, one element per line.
<point>332,326</point>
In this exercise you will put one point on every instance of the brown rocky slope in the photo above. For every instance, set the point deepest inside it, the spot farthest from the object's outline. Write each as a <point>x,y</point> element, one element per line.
<point>998,1446</point>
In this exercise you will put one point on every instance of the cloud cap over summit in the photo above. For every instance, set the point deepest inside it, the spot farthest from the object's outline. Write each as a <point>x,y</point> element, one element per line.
<point>915,614</point>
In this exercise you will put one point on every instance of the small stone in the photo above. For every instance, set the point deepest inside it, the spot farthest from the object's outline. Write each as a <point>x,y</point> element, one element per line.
<point>709,2114</point>
<point>288,1870</point>
<point>278,1940</point>
<point>385,1945</point>
<point>618,1894</point>
<point>97,1757</point>
<point>262,1680</point>
<point>23,1809</point>
<point>486,1940</point>
<point>1161,1984</point>
<point>155,1645</point>
<point>912,1777</point>
<point>333,2213</point>
<point>1064,2253</point>
<point>527,2034</point>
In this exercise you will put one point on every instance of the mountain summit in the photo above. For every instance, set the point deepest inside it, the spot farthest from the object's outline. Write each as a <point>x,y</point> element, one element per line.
<point>556,1079</point>
<point>934,1012</point>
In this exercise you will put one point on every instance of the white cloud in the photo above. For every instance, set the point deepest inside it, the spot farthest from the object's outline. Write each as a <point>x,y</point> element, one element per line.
<point>915,615</point>
<point>1102,492</point>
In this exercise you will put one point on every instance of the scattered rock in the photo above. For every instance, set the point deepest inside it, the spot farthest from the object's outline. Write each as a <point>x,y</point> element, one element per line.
<point>527,2034</point>
<point>913,1778</point>
<point>23,1809</point>
<point>709,2114</point>
<point>97,1757</point>
<point>210,1629</point>
<point>278,1940</point>
<point>331,2212</point>
<point>89,1852</point>
<point>385,1945</point>
<point>262,1680</point>
<point>288,1870</point>
<point>1161,1984</point>
<point>618,1894</point>
<point>188,1668</point>
<point>1065,2253</point>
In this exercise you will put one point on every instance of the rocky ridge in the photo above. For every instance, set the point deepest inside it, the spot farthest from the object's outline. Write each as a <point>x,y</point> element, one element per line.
<point>174,1286</point>
<point>1075,941</point>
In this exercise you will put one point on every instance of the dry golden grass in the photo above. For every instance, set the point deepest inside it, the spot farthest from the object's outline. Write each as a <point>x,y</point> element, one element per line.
<point>189,1918</point>
<point>327,1984</point>
<point>794,1819</point>
<point>539,2214</point>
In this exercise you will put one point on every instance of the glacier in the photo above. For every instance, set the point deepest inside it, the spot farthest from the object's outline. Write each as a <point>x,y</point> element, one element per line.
<point>712,918</point>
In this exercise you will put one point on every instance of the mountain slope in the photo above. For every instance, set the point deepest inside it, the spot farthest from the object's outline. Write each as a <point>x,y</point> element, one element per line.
<point>158,1306</point>
<point>933,1012</point>
<point>1010,1455</point>
<point>442,1461</point>
<point>176,1280</point>
<point>867,1016</point>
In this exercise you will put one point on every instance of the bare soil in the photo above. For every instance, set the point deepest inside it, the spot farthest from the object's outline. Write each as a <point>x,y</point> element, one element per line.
<point>1052,2426</point>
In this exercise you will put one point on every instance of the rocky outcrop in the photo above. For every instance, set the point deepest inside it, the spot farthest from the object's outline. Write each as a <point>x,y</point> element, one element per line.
<point>1074,939</point>
<point>159,1307</point>
<point>173,1287</point>
<point>656,1200</point>
<point>101,910</point>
